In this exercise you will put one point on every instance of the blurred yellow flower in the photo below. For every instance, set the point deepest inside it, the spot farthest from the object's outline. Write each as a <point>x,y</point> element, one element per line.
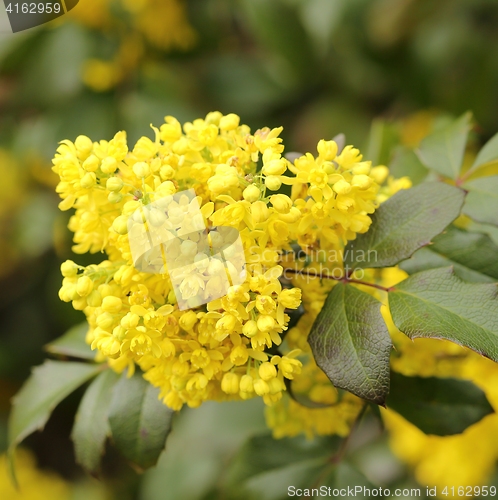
<point>34,483</point>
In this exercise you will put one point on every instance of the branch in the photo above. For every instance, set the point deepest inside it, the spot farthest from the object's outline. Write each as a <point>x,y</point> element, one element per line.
<point>342,279</point>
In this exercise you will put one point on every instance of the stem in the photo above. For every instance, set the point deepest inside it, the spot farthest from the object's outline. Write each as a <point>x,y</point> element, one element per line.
<point>342,279</point>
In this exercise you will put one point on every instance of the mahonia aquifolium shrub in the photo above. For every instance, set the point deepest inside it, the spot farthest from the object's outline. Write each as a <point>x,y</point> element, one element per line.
<point>231,348</point>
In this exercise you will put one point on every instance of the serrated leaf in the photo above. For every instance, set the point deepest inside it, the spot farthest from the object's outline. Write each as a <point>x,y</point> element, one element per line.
<point>443,150</point>
<point>472,255</point>
<point>140,423</point>
<point>487,154</point>
<point>405,162</point>
<point>91,425</point>
<point>481,203</point>
<point>351,343</point>
<point>47,386</point>
<point>441,406</point>
<point>438,304</point>
<point>72,343</point>
<point>404,223</point>
<point>263,461</point>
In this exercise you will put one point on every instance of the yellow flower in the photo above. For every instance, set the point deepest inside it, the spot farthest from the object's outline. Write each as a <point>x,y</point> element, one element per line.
<point>195,331</point>
<point>34,483</point>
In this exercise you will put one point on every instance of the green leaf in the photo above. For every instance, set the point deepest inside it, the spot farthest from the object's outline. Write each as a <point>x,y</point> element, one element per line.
<point>91,426</point>
<point>438,304</point>
<point>48,385</point>
<point>351,344</point>
<point>140,423</point>
<point>404,223</point>
<point>263,453</point>
<point>487,154</point>
<point>443,150</point>
<point>441,406</point>
<point>72,343</point>
<point>405,162</point>
<point>472,255</point>
<point>263,464</point>
<point>481,203</point>
<point>383,138</point>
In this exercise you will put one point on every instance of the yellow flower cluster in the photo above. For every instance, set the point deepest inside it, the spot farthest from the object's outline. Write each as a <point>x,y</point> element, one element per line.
<point>163,24</point>
<point>466,459</point>
<point>227,348</point>
<point>34,484</point>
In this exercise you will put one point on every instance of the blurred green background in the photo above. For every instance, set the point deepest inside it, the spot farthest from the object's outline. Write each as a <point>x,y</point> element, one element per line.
<point>317,67</point>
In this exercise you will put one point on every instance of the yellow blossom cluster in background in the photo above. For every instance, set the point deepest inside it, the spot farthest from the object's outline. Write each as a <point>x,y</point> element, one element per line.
<point>466,459</point>
<point>35,484</point>
<point>226,349</point>
<point>133,25</point>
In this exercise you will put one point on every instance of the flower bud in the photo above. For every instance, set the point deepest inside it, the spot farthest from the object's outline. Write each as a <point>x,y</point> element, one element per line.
<point>109,165</point>
<point>276,385</point>
<point>239,355</point>
<point>275,167</point>
<point>379,174</point>
<point>105,290</point>
<point>130,320</point>
<point>84,286</point>
<point>229,122</point>
<point>88,180</point>
<point>91,163</point>
<point>290,298</point>
<point>112,304</point>
<point>273,183</point>
<point>188,248</point>
<point>120,224</point>
<point>94,299</point>
<point>83,144</point>
<point>188,320</point>
<point>267,371</point>
<point>259,211</point>
<point>246,383</point>
<point>104,321</point>
<point>342,187</point>
<point>250,328</point>
<point>281,203</point>
<point>119,332</point>
<point>69,269</point>
<point>79,304</point>
<point>215,267</point>
<point>261,387</point>
<point>230,383</point>
<point>114,184</point>
<point>251,193</point>
<point>327,149</point>
<point>156,217</point>
<point>362,168</point>
<point>266,323</point>
<point>114,197</point>
<point>141,169</point>
<point>362,181</point>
